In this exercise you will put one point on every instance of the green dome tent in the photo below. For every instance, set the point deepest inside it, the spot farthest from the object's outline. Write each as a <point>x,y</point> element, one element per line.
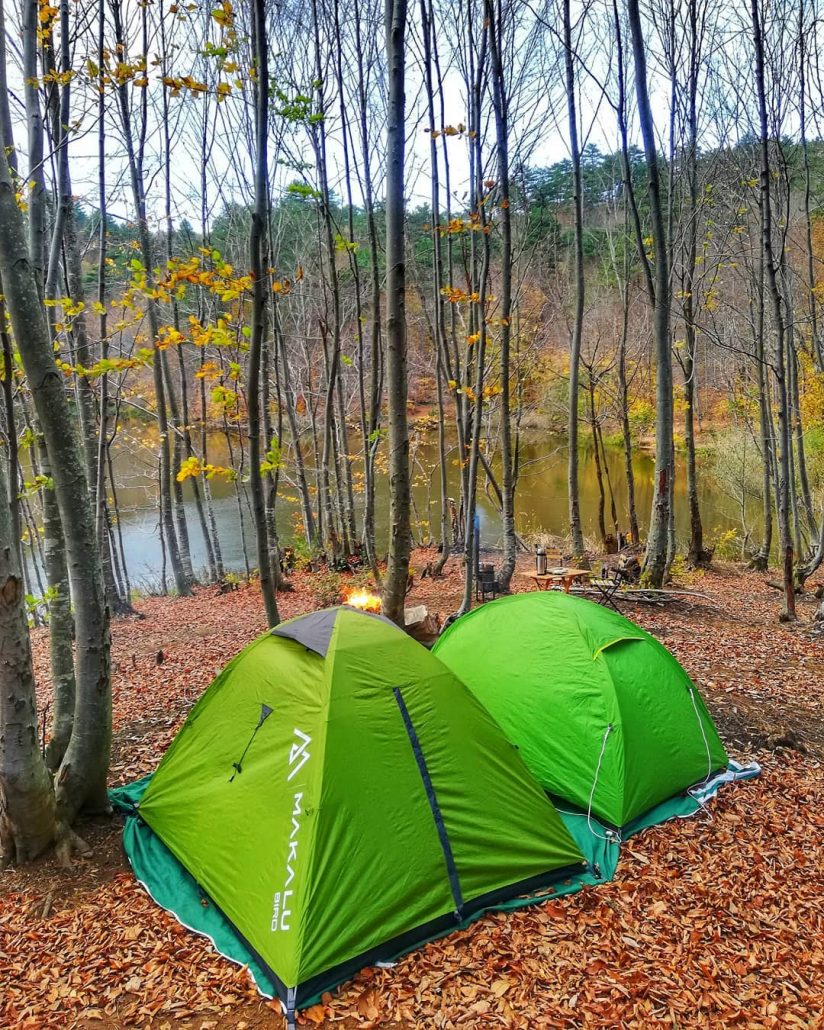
<point>341,797</point>
<point>604,716</point>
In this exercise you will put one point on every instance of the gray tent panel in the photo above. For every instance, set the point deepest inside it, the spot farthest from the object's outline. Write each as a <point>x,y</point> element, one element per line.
<point>314,631</point>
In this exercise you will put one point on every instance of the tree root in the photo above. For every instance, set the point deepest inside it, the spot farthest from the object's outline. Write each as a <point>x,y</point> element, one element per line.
<point>68,845</point>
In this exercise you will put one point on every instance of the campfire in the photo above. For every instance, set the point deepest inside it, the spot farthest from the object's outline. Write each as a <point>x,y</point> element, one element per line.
<point>364,600</point>
<point>417,621</point>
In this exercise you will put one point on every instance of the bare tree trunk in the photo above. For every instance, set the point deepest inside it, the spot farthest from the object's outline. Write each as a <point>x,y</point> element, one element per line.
<point>623,391</point>
<point>695,553</point>
<point>479,277</point>
<point>817,348</point>
<point>438,323</point>
<point>500,100</point>
<point>397,571</point>
<point>655,559</point>
<point>599,475</point>
<point>770,264</point>
<point>81,780</point>
<point>61,621</point>
<point>309,528</point>
<point>578,319</point>
<point>761,559</point>
<point>27,809</point>
<point>136,175</point>
<point>372,427</point>
<point>117,604</point>
<point>13,480</point>
<point>34,120</point>
<point>61,624</point>
<point>257,250</point>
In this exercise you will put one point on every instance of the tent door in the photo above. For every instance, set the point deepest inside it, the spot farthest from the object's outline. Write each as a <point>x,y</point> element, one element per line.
<point>432,798</point>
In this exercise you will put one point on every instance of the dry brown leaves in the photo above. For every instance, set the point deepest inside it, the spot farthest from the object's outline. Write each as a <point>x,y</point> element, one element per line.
<point>708,923</point>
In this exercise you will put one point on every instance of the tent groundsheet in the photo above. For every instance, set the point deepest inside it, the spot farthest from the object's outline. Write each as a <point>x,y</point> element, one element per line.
<point>174,889</point>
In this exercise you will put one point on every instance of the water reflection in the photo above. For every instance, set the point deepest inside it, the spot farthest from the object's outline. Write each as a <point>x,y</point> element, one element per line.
<point>541,499</point>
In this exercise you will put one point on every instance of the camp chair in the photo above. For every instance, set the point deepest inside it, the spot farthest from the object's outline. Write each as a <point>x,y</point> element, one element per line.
<point>607,586</point>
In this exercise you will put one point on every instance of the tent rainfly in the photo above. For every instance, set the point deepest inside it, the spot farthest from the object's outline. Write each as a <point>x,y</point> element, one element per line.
<point>603,715</point>
<point>341,797</point>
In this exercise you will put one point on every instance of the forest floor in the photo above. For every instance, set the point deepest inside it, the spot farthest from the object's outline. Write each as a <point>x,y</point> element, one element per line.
<point>712,921</point>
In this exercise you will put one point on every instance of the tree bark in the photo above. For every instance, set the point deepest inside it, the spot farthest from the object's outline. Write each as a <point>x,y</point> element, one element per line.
<point>27,808</point>
<point>260,281</point>
<point>81,780</point>
<point>771,268</point>
<point>397,572</point>
<point>655,559</point>
<point>578,317</point>
<point>500,101</point>
<point>136,175</point>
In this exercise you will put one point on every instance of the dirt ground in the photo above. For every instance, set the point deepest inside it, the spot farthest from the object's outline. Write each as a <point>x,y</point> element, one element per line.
<point>714,921</point>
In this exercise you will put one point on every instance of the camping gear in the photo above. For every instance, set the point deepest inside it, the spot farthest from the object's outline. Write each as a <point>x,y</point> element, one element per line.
<point>486,584</point>
<point>340,797</point>
<point>603,715</point>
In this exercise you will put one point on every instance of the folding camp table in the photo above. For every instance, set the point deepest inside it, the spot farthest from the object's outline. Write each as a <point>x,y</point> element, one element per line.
<point>559,578</point>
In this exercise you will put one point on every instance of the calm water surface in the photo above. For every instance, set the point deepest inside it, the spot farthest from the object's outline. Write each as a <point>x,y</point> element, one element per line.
<point>541,500</point>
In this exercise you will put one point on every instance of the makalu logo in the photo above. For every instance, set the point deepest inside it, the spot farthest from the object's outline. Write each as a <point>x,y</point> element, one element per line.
<point>298,755</point>
<point>281,912</point>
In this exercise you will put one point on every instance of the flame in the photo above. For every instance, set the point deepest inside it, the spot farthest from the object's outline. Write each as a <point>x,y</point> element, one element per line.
<point>364,600</point>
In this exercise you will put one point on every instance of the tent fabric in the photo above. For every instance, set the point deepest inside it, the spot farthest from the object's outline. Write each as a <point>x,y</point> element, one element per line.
<point>602,713</point>
<point>313,829</point>
<point>173,888</point>
<point>314,630</point>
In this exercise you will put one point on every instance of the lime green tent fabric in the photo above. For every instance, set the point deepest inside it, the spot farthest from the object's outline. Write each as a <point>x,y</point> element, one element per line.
<point>340,796</point>
<point>604,716</point>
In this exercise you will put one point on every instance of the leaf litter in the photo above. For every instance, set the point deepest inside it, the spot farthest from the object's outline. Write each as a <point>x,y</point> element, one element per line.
<point>712,921</point>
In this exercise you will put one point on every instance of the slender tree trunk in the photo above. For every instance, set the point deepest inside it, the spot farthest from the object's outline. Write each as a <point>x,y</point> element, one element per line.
<point>439,323</point>
<point>578,317</point>
<point>655,559</point>
<point>761,559</point>
<point>623,389</point>
<point>817,347</point>
<point>375,336</point>
<point>771,268</point>
<point>136,175</point>
<point>475,359</point>
<point>34,121</point>
<point>397,571</point>
<point>695,553</point>
<point>260,281</point>
<point>801,473</point>
<point>61,624</point>
<point>13,479</point>
<point>500,100</point>
<point>599,475</point>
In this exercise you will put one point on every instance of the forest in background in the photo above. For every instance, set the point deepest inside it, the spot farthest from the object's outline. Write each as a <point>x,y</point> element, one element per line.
<point>300,225</point>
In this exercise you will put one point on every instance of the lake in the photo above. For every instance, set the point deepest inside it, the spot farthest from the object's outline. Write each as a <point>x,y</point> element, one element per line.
<point>541,502</point>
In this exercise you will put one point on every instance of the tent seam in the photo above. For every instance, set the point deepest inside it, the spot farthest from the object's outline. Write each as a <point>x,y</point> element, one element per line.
<point>329,668</point>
